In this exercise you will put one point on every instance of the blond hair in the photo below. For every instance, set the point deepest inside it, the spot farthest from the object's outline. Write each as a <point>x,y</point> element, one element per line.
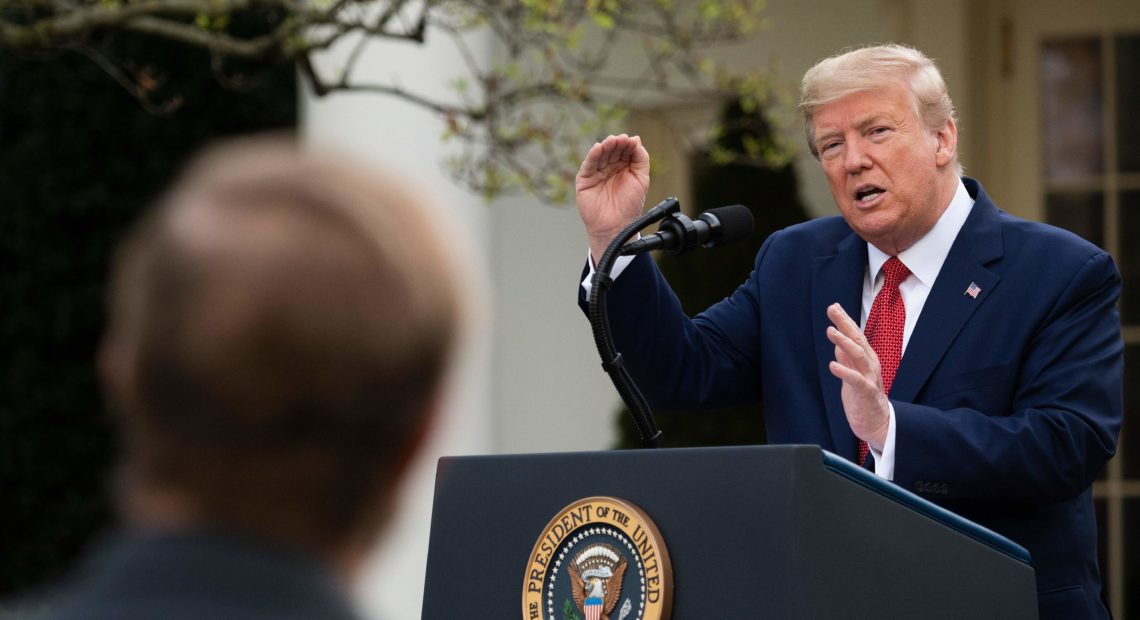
<point>871,67</point>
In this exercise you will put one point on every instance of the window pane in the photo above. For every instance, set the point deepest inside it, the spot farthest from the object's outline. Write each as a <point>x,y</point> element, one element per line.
<point>1128,102</point>
<point>1081,213</point>
<point>1129,258</point>
<point>1129,449</point>
<point>1074,127</point>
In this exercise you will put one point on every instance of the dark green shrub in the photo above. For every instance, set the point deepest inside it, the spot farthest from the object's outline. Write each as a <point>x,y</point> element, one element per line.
<point>79,160</point>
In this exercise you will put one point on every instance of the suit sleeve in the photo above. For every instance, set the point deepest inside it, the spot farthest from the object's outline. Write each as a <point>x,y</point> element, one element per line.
<point>1065,417</point>
<point>709,361</point>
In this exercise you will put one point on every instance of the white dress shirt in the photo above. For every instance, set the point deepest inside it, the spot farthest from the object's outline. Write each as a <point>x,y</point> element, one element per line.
<point>619,266</point>
<point>924,260</point>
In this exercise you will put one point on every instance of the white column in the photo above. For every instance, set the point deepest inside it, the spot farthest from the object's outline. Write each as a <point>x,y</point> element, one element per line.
<point>405,139</point>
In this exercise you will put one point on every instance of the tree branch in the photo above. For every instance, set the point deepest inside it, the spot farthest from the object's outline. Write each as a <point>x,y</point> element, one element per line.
<point>129,84</point>
<point>521,120</point>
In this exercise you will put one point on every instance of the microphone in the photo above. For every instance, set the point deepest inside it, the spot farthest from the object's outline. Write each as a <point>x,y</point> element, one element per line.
<point>678,234</point>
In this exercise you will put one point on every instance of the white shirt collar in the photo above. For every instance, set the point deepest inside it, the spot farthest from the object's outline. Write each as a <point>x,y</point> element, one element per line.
<point>925,257</point>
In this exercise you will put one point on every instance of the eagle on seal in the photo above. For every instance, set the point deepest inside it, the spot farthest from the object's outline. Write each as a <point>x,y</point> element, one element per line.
<point>596,575</point>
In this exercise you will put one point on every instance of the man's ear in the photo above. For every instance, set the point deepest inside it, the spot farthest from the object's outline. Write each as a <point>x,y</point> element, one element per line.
<point>947,137</point>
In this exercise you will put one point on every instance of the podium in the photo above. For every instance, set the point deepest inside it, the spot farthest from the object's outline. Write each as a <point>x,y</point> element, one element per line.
<point>751,532</point>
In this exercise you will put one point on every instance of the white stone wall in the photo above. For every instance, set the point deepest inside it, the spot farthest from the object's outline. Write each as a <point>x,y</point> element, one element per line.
<point>405,139</point>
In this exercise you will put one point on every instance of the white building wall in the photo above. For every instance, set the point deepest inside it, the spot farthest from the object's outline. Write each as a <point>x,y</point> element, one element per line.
<point>405,140</point>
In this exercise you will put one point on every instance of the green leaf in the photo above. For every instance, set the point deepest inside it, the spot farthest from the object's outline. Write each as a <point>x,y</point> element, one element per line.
<point>710,10</point>
<point>605,21</point>
<point>574,38</point>
<point>721,156</point>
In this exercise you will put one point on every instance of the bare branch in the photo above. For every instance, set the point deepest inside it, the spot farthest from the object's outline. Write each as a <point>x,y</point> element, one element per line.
<point>129,84</point>
<point>216,42</point>
<point>518,123</point>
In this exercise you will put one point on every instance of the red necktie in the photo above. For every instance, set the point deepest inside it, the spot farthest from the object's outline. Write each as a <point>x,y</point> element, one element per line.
<point>884,328</point>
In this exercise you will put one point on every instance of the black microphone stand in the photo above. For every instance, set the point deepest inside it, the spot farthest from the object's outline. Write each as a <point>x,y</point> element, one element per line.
<point>600,323</point>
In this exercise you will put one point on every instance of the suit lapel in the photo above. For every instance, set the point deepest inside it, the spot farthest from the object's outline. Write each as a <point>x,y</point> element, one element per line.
<point>837,278</point>
<point>949,306</point>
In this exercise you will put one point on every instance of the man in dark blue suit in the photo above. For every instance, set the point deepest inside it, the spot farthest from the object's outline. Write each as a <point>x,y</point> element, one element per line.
<point>976,357</point>
<point>274,361</point>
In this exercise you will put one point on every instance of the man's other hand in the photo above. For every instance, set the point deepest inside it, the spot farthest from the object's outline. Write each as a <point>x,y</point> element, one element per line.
<point>857,366</point>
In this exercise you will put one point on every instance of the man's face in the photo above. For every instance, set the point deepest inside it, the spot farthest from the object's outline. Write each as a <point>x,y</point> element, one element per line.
<point>888,173</point>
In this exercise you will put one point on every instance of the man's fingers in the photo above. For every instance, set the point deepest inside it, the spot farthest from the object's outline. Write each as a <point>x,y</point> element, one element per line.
<point>608,160</point>
<point>843,373</point>
<point>624,154</point>
<point>600,157</point>
<point>841,357</point>
<point>614,154</point>
<point>629,153</point>
<point>608,147</point>
<point>843,322</point>
<point>590,163</point>
<point>849,375</point>
<point>848,327</point>
<point>614,150</point>
<point>621,142</point>
<point>857,356</point>
<point>640,156</point>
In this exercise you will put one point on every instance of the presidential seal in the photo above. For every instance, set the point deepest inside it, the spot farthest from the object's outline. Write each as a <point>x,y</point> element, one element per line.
<point>600,558</point>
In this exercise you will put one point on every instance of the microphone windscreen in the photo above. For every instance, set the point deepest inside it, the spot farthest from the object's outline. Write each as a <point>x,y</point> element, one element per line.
<point>736,223</point>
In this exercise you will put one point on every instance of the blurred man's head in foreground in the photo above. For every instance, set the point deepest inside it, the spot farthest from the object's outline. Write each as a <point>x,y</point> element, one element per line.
<point>279,328</point>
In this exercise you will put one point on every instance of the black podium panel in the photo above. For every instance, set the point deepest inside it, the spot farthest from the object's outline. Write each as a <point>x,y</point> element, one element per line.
<point>753,532</point>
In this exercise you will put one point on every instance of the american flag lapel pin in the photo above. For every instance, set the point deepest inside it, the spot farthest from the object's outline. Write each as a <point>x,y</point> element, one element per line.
<point>973,290</point>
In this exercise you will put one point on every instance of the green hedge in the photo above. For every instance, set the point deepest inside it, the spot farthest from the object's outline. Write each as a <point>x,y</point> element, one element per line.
<point>79,160</point>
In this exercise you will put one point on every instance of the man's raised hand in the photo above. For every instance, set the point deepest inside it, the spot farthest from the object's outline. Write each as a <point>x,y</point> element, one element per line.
<point>611,187</point>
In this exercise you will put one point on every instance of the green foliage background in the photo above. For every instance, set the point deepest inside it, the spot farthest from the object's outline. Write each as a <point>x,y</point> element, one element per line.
<point>704,277</point>
<point>79,160</point>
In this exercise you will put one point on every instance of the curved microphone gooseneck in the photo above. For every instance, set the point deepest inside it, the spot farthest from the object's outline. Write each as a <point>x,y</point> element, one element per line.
<point>677,234</point>
<point>600,324</point>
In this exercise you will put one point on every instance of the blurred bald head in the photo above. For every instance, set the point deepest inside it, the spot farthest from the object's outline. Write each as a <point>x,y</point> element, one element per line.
<point>279,329</point>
